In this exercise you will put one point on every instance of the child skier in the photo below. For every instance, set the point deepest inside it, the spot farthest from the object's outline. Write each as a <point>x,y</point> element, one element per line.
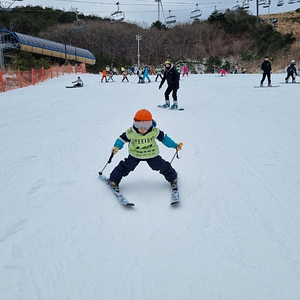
<point>185,71</point>
<point>110,76</point>
<point>291,70</point>
<point>140,76</point>
<point>125,76</point>
<point>146,74</point>
<point>104,74</point>
<point>223,72</point>
<point>142,147</point>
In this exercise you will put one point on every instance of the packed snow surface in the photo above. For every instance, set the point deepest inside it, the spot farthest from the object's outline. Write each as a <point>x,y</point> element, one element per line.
<point>235,234</point>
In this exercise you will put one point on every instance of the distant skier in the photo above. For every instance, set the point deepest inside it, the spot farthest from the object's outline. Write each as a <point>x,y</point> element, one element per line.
<point>110,76</point>
<point>185,71</point>
<point>142,147</point>
<point>146,74</point>
<point>172,77</point>
<point>158,71</point>
<point>140,76</point>
<point>104,74</point>
<point>223,72</point>
<point>266,70</point>
<point>291,70</point>
<point>125,76</point>
<point>78,82</point>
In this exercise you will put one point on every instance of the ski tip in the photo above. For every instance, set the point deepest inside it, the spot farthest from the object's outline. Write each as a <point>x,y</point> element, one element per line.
<point>175,203</point>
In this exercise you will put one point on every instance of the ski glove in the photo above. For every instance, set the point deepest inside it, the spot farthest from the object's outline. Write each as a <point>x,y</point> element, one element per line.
<point>179,146</point>
<point>115,150</point>
<point>159,87</point>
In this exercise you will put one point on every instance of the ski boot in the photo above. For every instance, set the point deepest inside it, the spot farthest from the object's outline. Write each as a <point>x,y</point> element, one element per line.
<point>113,186</point>
<point>269,85</point>
<point>261,85</point>
<point>286,81</point>
<point>167,104</point>
<point>175,105</point>
<point>174,185</point>
<point>293,81</point>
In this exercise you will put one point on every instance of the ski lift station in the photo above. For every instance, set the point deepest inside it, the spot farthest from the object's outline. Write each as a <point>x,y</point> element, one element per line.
<point>13,41</point>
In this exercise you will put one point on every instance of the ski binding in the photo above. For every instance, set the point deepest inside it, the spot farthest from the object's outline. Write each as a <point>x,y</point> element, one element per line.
<point>120,197</point>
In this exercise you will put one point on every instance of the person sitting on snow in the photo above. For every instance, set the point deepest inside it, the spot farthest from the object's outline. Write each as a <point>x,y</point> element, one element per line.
<point>78,82</point>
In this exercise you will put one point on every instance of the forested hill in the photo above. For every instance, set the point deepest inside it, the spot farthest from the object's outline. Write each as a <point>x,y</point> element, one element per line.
<point>232,36</point>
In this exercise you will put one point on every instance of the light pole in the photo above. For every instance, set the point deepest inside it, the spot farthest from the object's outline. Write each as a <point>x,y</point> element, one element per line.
<point>158,16</point>
<point>138,37</point>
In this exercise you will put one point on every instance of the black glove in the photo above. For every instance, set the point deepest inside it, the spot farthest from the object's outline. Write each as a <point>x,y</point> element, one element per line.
<point>159,87</point>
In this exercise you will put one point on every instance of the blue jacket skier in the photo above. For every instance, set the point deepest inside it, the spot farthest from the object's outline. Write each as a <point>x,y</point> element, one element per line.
<point>142,138</point>
<point>146,74</point>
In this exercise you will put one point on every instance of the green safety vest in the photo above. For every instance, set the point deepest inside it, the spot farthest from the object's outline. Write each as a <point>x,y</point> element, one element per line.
<point>143,146</point>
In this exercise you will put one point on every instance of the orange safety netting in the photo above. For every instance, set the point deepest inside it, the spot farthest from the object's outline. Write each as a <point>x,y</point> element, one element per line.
<point>10,80</point>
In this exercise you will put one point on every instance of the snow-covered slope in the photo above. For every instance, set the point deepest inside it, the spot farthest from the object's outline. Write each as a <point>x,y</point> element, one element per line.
<point>235,236</point>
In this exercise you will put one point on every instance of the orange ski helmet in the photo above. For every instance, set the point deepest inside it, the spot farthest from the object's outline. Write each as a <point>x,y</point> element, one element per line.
<point>143,115</point>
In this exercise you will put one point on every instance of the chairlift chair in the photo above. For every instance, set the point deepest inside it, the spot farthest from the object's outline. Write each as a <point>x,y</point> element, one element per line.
<point>267,4</point>
<point>236,7</point>
<point>261,2</point>
<point>170,19</point>
<point>78,25</point>
<point>195,14</point>
<point>117,16</point>
<point>292,2</point>
<point>246,4</point>
<point>280,2</point>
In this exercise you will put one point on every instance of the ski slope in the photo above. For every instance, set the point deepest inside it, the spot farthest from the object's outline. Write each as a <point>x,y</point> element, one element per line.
<point>235,235</point>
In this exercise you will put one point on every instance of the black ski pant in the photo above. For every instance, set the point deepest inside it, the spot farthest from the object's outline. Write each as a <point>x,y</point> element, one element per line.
<point>289,75</point>
<point>168,92</point>
<point>156,163</point>
<point>264,77</point>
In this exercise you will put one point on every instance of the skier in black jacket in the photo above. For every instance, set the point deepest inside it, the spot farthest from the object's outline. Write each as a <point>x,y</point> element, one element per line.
<point>172,77</point>
<point>266,70</point>
<point>291,70</point>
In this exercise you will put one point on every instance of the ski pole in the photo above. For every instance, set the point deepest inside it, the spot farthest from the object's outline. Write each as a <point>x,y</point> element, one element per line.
<point>176,154</point>
<point>108,162</point>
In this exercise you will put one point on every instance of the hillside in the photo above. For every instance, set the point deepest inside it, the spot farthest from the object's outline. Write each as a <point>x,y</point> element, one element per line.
<point>286,22</point>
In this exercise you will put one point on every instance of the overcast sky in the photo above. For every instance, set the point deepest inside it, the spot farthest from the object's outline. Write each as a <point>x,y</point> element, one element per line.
<point>140,11</point>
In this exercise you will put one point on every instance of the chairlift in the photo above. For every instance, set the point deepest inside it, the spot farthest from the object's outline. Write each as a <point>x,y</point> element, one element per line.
<point>170,19</point>
<point>261,2</point>
<point>236,7</point>
<point>280,2</point>
<point>246,4</point>
<point>117,16</point>
<point>267,4</point>
<point>195,14</point>
<point>78,25</point>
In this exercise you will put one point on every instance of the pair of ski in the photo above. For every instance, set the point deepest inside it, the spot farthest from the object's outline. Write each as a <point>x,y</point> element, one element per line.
<point>175,199</point>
